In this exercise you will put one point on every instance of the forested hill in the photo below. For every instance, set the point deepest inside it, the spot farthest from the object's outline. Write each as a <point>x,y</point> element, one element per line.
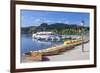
<point>60,28</point>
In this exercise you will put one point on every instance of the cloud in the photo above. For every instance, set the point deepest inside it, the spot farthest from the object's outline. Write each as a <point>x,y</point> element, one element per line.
<point>66,22</point>
<point>48,21</point>
<point>63,21</point>
<point>37,20</point>
<point>59,21</point>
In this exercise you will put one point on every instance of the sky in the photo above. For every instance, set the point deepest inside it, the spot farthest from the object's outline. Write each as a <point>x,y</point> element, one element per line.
<point>35,18</point>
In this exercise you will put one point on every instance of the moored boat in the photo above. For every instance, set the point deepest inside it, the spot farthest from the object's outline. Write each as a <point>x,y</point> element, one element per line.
<point>46,36</point>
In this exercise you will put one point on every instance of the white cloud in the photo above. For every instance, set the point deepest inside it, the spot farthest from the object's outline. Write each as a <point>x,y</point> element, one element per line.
<point>37,20</point>
<point>48,21</point>
<point>66,22</point>
<point>59,21</point>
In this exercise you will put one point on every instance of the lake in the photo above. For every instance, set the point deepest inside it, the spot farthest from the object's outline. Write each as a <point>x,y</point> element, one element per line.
<point>30,44</point>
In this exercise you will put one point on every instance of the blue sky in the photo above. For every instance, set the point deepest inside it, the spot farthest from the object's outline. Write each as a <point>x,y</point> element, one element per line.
<point>35,18</point>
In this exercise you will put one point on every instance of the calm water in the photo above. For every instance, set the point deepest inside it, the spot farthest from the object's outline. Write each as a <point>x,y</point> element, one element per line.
<point>30,44</point>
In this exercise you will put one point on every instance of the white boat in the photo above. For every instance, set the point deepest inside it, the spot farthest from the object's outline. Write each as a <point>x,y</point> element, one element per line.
<point>46,36</point>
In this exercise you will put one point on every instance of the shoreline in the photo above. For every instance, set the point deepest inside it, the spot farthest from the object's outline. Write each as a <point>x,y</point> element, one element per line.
<point>72,54</point>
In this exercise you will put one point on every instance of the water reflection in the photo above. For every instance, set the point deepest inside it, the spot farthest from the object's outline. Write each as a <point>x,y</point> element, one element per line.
<point>30,44</point>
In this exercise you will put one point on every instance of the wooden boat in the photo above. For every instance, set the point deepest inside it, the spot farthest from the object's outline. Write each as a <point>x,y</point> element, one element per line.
<point>56,50</point>
<point>59,48</point>
<point>34,56</point>
<point>72,42</point>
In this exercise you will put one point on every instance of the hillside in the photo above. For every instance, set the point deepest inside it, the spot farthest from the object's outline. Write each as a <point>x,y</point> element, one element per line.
<point>60,28</point>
